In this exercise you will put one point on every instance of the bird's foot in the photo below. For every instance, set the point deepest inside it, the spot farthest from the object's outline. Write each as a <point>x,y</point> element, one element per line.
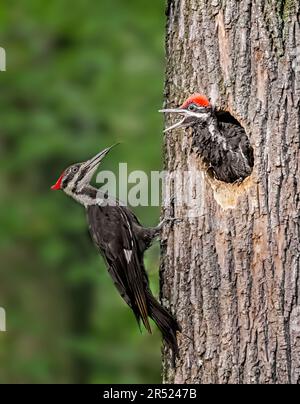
<point>170,202</point>
<point>167,221</point>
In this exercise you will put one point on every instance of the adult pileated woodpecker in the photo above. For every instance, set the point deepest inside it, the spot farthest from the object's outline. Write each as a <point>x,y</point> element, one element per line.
<point>122,241</point>
<point>219,139</point>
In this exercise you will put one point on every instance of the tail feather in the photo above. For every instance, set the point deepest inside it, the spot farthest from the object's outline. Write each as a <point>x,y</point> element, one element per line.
<point>165,322</point>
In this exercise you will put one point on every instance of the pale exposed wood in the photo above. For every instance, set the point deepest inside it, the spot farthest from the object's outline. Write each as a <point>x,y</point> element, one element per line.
<point>231,275</point>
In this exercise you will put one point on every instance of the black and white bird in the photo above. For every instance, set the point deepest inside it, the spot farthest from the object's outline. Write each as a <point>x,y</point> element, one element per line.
<point>122,241</point>
<point>218,138</point>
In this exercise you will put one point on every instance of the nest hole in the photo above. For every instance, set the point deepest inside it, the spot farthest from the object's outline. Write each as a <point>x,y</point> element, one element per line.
<point>236,178</point>
<point>238,161</point>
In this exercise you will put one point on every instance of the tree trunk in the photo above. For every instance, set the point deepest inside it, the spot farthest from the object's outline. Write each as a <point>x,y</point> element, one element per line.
<point>230,269</point>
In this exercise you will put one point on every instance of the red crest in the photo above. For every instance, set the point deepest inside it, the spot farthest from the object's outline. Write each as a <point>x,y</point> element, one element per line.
<point>198,99</point>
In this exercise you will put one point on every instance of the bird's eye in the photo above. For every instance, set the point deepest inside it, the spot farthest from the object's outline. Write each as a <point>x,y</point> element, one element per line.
<point>192,107</point>
<point>74,170</point>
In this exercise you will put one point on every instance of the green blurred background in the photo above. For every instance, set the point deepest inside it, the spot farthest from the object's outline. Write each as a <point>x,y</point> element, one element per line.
<point>80,76</point>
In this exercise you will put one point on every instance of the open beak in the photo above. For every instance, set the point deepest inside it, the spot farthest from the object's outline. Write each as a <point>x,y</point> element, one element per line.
<point>96,160</point>
<point>179,111</point>
<point>87,169</point>
<point>91,165</point>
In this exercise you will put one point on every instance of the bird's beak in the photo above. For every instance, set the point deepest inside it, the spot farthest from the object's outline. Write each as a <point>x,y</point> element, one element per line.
<point>91,165</point>
<point>96,160</point>
<point>172,111</point>
<point>175,111</point>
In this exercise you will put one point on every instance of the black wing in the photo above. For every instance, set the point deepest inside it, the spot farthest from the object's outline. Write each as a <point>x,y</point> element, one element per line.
<point>112,232</point>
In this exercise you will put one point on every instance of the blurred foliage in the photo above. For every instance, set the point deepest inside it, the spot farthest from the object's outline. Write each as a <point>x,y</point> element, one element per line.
<point>80,76</point>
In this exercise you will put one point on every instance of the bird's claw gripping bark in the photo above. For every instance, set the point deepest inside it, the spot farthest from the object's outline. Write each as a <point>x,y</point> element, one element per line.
<point>168,220</point>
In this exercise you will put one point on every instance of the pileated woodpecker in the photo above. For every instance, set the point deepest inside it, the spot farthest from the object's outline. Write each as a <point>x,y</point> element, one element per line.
<point>122,241</point>
<point>218,137</point>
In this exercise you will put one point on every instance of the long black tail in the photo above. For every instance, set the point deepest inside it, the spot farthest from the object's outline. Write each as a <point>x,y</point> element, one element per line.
<point>165,322</point>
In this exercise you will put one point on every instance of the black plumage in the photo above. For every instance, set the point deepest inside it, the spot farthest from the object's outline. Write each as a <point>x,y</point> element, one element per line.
<point>224,147</point>
<point>218,139</point>
<point>122,241</point>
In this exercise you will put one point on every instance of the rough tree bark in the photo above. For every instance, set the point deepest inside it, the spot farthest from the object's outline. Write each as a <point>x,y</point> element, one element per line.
<point>231,274</point>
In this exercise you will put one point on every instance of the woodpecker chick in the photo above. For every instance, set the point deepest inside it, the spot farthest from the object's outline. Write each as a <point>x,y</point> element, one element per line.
<point>218,137</point>
<point>122,241</point>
